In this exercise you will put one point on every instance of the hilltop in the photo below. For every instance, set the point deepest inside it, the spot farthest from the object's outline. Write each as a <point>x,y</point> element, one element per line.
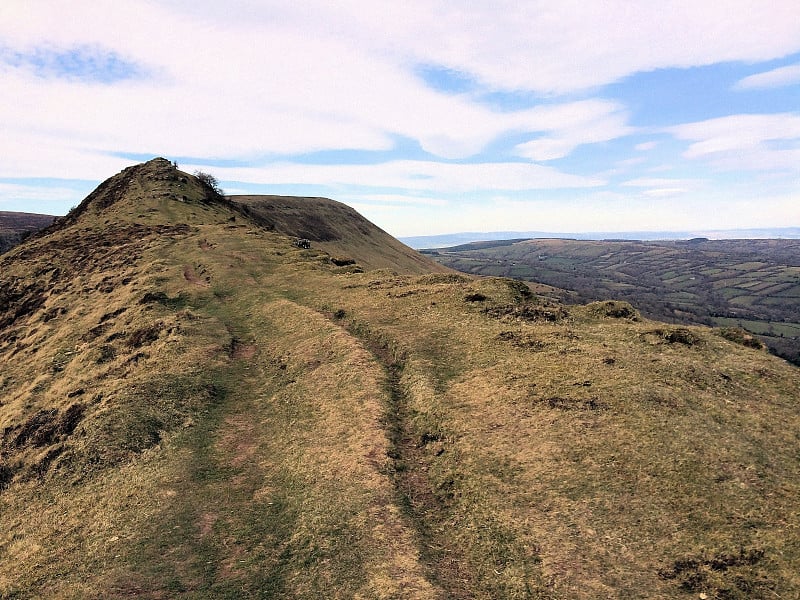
<point>336,229</point>
<point>193,406</point>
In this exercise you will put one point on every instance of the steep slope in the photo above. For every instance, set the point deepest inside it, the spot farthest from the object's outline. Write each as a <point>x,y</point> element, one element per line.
<point>194,407</point>
<point>336,229</point>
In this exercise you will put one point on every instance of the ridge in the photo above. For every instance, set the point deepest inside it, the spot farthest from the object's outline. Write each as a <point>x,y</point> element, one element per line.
<point>192,405</point>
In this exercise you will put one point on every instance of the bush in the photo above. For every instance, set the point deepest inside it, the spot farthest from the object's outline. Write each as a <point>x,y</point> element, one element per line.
<point>210,183</point>
<point>613,309</point>
<point>678,335</point>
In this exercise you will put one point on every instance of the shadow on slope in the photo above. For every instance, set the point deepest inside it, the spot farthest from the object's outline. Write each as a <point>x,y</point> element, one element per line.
<point>336,229</point>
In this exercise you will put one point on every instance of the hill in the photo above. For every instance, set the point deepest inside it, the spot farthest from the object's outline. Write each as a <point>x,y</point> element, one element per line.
<point>751,284</point>
<point>449,240</point>
<point>192,406</point>
<point>16,226</point>
<point>335,228</point>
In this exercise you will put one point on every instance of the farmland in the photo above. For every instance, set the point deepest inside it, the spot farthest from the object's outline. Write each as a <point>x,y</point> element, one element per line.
<point>752,284</point>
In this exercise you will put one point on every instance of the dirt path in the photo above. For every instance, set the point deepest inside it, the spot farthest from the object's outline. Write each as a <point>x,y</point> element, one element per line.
<point>424,513</point>
<point>251,515</point>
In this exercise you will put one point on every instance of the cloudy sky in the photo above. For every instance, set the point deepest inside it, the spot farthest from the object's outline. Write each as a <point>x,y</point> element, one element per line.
<point>429,116</point>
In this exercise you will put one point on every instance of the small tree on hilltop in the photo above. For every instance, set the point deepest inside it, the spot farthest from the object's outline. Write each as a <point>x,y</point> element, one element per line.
<point>210,182</point>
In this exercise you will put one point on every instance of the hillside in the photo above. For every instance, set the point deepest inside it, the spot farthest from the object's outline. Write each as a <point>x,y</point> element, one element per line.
<point>752,284</point>
<point>192,406</point>
<point>336,229</point>
<point>15,226</point>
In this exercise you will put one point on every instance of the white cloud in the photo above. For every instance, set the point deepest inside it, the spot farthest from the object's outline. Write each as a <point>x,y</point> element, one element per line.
<point>751,142</point>
<point>49,155</point>
<point>780,77</point>
<point>603,211</point>
<point>571,125</point>
<point>238,88</point>
<point>393,200</point>
<point>249,79</point>
<point>658,182</point>
<point>569,45</point>
<point>664,187</point>
<point>25,192</point>
<point>444,178</point>
<point>664,192</point>
<point>269,77</point>
<point>39,198</point>
<point>645,146</point>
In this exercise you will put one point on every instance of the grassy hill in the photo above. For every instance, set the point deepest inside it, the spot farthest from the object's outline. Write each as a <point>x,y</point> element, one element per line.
<point>15,226</point>
<point>191,406</point>
<point>750,284</point>
<point>336,229</point>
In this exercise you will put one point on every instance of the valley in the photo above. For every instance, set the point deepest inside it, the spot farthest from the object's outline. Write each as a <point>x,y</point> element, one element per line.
<point>750,284</point>
<point>16,226</point>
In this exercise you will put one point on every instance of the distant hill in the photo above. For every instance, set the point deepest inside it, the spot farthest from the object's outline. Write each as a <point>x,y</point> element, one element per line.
<point>15,226</point>
<point>754,284</point>
<point>335,228</point>
<point>454,239</point>
<point>193,405</point>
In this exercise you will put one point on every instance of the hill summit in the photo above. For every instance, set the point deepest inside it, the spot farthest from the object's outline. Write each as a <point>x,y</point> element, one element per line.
<point>193,404</point>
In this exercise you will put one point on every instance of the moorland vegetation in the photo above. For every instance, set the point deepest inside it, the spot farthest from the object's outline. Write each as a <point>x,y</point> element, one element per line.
<point>194,406</point>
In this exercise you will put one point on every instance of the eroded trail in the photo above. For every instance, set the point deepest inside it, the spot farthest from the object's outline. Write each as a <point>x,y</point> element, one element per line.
<point>302,423</point>
<point>423,509</point>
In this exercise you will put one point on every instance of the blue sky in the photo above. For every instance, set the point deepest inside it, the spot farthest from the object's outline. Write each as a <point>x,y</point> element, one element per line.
<point>428,117</point>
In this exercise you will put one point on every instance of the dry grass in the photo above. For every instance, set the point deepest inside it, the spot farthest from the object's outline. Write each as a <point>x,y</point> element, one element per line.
<point>255,421</point>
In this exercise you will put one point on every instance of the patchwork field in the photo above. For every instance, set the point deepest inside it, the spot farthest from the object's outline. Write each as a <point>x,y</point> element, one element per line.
<point>753,284</point>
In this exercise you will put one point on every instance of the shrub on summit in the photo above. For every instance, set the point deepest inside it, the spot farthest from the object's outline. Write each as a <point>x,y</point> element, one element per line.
<point>211,184</point>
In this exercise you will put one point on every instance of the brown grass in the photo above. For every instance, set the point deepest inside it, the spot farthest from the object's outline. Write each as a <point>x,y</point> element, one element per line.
<point>293,429</point>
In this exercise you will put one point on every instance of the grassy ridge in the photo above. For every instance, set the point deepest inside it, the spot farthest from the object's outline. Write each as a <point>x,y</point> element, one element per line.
<point>255,421</point>
<point>565,449</point>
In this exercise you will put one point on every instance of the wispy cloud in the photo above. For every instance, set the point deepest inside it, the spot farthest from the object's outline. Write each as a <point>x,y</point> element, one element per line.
<point>780,77</point>
<point>414,175</point>
<point>395,200</point>
<point>563,135</point>
<point>659,182</point>
<point>446,100</point>
<point>663,187</point>
<point>89,64</point>
<point>664,192</point>
<point>563,47</point>
<point>750,142</point>
<point>23,192</point>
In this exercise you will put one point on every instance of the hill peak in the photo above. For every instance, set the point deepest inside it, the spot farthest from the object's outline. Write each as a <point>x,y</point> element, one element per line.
<point>156,178</point>
<point>157,193</point>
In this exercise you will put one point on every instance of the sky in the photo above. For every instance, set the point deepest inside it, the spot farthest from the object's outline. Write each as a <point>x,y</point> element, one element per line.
<point>427,116</point>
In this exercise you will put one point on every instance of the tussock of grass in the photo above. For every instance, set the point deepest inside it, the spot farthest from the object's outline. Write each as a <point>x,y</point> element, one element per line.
<point>740,336</point>
<point>614,309</point>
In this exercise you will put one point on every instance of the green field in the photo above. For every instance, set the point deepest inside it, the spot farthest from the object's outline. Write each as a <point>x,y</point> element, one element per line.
<point>755,282</point>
